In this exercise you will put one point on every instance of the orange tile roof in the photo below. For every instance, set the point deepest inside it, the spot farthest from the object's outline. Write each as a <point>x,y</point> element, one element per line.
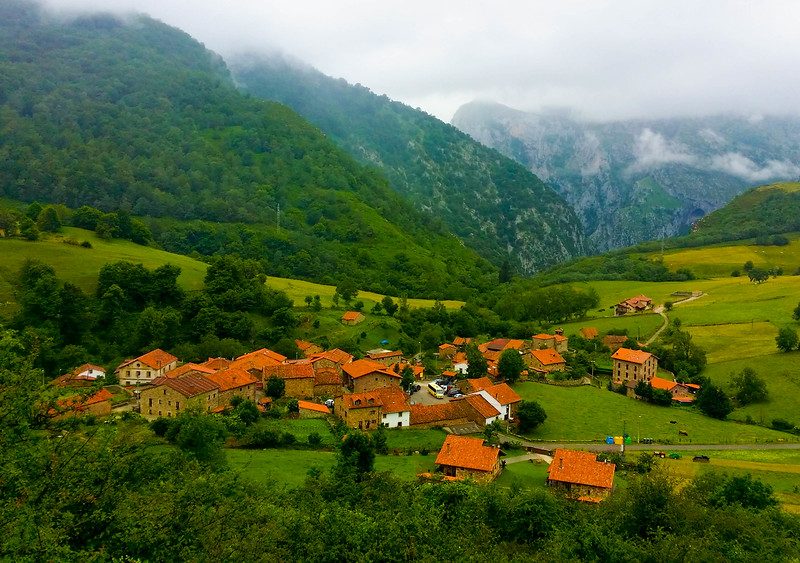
<point>362,400</point>
<point>188,385</point>
<point>304,345</point>
<point>382,355</point>
<point>589,332</point>
<point>157,358</point>
<point>476,384</point>
<point>692,385</point>
<point>180,371</point>
<point>297,370</point>
<point>632,356</point>
<point>439,412</point>
<point>88,367</point>
<point>449,373</point>
<point>497,345</point>
<point>231,378</point>
<point>560,338</point>
<point>216,363</point>
<point>467,453</point>
<point>580,468</point>
<point>461,341</point>
<point>78,403</point>
<point>308,405</point>
<point>491,355</point>
<point>416,369</point>
<point>264,352</point>
<point>258,360</point>
<point>352,316</point>
<point>393,399</point>
<point>659,383</point>
<point>543,336</point>
<point>335,355</point>
<point>481,405</point>
<point>515,344</point>
<point>548,357</point>
<point>446,346</point>
<point>360,368</point>
<point>327,376</point>
<point>503,394</point>
<point>460,358</point>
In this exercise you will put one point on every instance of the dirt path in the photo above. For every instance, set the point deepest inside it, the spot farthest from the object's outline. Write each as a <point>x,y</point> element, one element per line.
<point>529,457</point>
<point>660,311</point>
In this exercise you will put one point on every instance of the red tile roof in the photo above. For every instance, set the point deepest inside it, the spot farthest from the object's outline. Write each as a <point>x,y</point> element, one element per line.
<point>632,356</point>
<point>217,363</point>
<point>440,412</point>
<point>581,468</point>
<point>665,384</point>
<point>296,370</point>
<point>180,371</point>
<point>548,357</point>
<point>383,355</point>
<point>446,346</point>
<point>477,384</point>
<point>88,367</point>
<point>157,358</point>
<point>467,453</point>
<point>316,407</point>
<point>362,400</point>
<point>589,332</point>
<point>352,316</point>
<point>543,336</point>
<point>360,368</point>
<point>264,352</point>
<point>188,385</point>
<point>393,399</point>
<point>460,358</point>
<point>497,345</point>
<point>258,360</point>
<point>461,341</point>
<point>480,404</point>
<point>327,376</point>
<point>304,345</point>
<point>79,403</point>
<point>515,344</point>
<point>335,355</point>
<point>231,378</point>
<point>503,394</point>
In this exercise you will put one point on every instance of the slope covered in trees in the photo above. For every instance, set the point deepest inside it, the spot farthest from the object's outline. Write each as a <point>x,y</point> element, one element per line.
<point>138,116</point>
<point>493,204</point>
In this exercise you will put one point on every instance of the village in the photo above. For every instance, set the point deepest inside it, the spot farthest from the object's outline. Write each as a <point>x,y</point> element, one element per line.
<point>384,389</point>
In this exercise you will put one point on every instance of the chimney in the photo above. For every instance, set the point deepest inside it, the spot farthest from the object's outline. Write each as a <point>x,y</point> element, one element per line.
<point>560,463</point>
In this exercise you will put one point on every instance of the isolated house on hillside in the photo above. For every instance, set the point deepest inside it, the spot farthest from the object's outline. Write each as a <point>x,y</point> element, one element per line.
<point>580,476</point>
<point>633,365</point>
<point>462,457</point>
<point>637,304</point>
<point>146,368</point>
<point>351,318</point>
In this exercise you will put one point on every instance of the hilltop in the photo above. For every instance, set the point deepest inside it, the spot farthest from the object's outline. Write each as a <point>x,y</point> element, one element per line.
<point>493,204</point>
<point>637,180</point>
<point>133,114</point>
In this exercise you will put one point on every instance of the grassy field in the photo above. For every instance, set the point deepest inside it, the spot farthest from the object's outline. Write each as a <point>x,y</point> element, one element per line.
<point>779,469</point>
<point>302,427</point>
<point>525,475</point>
<point>588,413</point>
<point>638,326</point>
<point>291,467</point>
<point>405,438</point>
<point>80,266</point>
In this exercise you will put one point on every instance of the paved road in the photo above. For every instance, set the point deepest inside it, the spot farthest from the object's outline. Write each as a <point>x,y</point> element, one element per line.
<point>528,457</point>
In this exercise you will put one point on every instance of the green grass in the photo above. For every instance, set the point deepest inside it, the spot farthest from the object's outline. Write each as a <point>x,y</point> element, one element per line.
<point>525,475</point>
<point>302,427</point>
<point>640,326</point>
<point>733,341</point>
<point>588,413</point>
<point>291,467</point>
<point>406,438</point>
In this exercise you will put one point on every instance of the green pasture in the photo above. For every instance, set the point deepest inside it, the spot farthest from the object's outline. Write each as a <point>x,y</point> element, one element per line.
<point>720,260</point>
<point>782,473</point>
<point>590,414</point>
<point>641,326</point>
<point>302,427</point>
<point>291,467</point>
<point>735,341</point>
<point>407,438</point>
<point>376,327</point>
<point>525,475</point>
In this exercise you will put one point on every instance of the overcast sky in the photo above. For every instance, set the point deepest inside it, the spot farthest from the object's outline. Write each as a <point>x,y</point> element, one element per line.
<point>605,60</point>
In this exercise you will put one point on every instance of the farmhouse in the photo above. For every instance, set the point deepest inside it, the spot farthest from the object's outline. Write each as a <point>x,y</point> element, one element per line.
<point>580,476</point>
<point>232,383</point>
<point>681,392</point>
<point>463,457</point>
<point>188,368</point>
<point>82,376</point>
<point>327,381</point>
<point>97,404</point>
<point>460,363</point>
<point>505,396</point>
<point>170,396</point>
<point>637,304</point>
<point>366,375</point>
<point>485,405</point>
<point>547,360</point>
<point>298,376</point>
<point>307,348</point>
<point>633,365</point>
<point>146,368</point>
<point>352,318</point>
<point>385,406</point>
<point>447,351</point>
<point>307,409</point>
<point>385,357</point>
<point>557,342</point>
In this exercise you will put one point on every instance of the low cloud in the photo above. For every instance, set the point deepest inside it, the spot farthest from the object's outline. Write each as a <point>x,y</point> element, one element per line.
<point>653,150</point>
<point>737,164</point>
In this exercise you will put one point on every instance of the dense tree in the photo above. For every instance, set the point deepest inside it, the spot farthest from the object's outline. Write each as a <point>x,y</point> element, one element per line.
<point>510,365</point>
<point>389,305</point>
<point>356,456</point>
<point>530,415</point>
<point>48,220</point>
<point>275,387</point>
<point>787,339</point>
<point>796,313</point>
<point>408,379</point>
<point>712,401</point>
<point>476,363</point>
<point>748,387</point>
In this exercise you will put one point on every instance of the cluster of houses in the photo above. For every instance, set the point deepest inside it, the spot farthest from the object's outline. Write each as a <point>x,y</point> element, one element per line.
<point>632,367</point>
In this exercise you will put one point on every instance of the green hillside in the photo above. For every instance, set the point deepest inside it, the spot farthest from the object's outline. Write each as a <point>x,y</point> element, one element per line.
<point>492,203</point>
<point>136,115</point>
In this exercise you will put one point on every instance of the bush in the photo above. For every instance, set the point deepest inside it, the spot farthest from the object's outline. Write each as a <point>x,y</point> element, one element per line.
<point>782,425</point>
<point>160,426</point>
<point>288,439</point>
<point>314,439</point>
<point>86,244</point>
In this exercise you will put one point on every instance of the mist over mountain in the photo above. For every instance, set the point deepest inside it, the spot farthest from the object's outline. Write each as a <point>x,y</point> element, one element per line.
<point>493,204</point>
<point>637,180</point>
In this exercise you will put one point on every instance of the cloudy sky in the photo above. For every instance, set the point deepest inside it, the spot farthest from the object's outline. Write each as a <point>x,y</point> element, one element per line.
<point>605,60</point>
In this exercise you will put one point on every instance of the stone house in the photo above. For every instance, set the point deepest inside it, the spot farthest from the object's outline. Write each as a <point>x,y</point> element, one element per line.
<point>298,376</point>
<point>97,404</point>
<point>557,342</point>
<point>633,365</point>
<point>580,476</point>
<point>146,368</point>
<point>351,318</point>
<point>385,357</point>
<point>637,304</point>
<point>307,409</point>
<point>170,396</point>
<point>502,393</point>
<point>367,375</point>
<point>232,383</point>
<point>547,360</point>
<point>308,348</point>
<point>462,457</point>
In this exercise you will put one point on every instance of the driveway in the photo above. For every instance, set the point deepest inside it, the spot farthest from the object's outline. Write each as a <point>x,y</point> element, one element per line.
<point>422,397</point>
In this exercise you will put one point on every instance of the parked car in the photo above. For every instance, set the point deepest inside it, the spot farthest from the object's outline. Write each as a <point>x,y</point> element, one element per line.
<point>453,391</point>
<point>329,403</point>
<point>416,387</point>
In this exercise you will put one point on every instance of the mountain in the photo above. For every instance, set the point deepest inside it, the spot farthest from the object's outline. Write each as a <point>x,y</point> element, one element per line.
<point>638,180</point>
<point>133,114</point>
<point>493,204</point>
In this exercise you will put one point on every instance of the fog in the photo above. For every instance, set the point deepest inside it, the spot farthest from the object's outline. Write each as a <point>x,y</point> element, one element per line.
<point>604,60</point>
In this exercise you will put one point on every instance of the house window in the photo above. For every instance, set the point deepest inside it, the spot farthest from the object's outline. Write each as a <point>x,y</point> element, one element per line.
<point>150,402</point>
<point>399,424</point>
<point>150,411</point>
<point>165,391</point>
<point>138,373</point>
<point>177,405</point>
<point>159,413</point>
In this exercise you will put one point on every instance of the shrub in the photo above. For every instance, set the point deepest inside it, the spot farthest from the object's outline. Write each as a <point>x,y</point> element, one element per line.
<point>160,426</point>
<point>314,439</point>
<point>288,439</point>
<point>782,425</point>
<point>86,244</point>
